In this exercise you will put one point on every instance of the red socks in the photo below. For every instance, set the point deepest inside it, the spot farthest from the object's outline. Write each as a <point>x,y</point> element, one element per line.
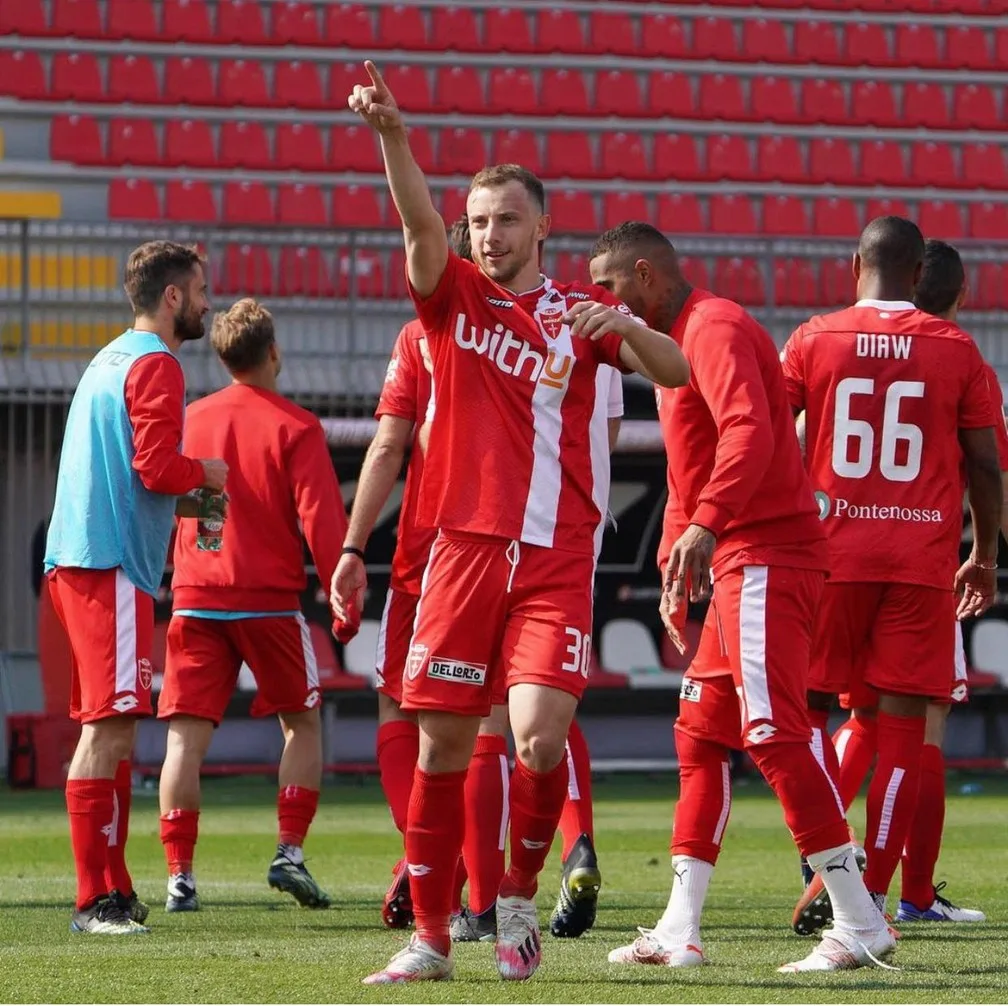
<point>179,829</point>
<point>398,749</point>
<point>536,804</point>
<point>577,818</point>
<point>701,813</point>
<point>296,806</point>
<point>117,876</point>
<point>434,829</point>
<point>855,744</point>
<point>90,808</point>
<point>920,853</point>
<point>486,820</point>
<point>892,796</point>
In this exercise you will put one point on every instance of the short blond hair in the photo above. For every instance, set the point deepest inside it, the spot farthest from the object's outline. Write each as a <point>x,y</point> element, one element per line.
<point>242,335</point>
<point>500,174</point>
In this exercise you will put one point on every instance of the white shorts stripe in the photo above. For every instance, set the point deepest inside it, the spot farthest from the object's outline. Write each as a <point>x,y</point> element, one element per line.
<point>960,655</point>
<point>752,643</point>
<point>818,740</point>
<point>842,740</point>
<point>382,643</point>
<point>506,803</point>
<point>573,792</point>
<point>126,634</point>
<point>725,802</point>
<point>888,802</point>
<point>311,664</point>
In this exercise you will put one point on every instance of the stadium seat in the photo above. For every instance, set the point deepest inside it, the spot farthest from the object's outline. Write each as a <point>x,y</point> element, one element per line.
<point>242,83</point>
<point>728,157</point>
<point>817,41</point>
<point>401,27</point>
<point>248,203</point>
<point>295,22</point>
<point>626,645</point>
<point>670,94</point>
<point>507,30</point>
<point>933,164</point>
<point>241,22</point>
<point>866,43</point>
<point>940,220</point>
<point>132,19</point>
<point>715,38</point>
<point>836,283</point>
<point>662,35</point>
<point>350,26</point>
<point>676,158</point>
<point>356,206</point>
<point>680,213</point>
<point>299,147</point>
<point>410,86</point>
<point>516,146</point>
<point>618,207</point>
<point>795,284</point>
<point>917,45</point>
<point>873,103</point>
<point>304,272</point>
<point>331,675</point>
<point>617,93</point>
<point>26,17</point>
<point>613,33</point>
<point>189,143</point>
<point>773,99</point>
<point>454,29</point>
<point>564,92</point>
<point>1001,47</point>
<point>989,647</point>
<point>76,77</point>
<point>300,205</point>
<point>133,141</point>
<point>886,208</point>
<point>721,98</point>
<point>132,79</point>
<point>133,199</point>
<point>731,214</point>
<point>832,161</point>
<point>988,221</point>
<point>740,279</point>
<point>188,81</point>
<point>780,159</point>
<point>358,654</point>
<point>974,105</point>
<point>244,145</point>
<point>459,89</point>
<point>395,286</point>
<point>983,166</point>
<point>354,148</point>
<point>695,271</point>
<point>569,267</point>
<point>834,217</point>
<point>297,85</point>
<point>883,163</point>
<point>76,139</point>
<point>559,30</point>
<point>569,155</point>
<point>342,77</point>
<point>623,156</point>
<point>784,215</point>
<point>421,145</point>
<point>191,202</point>
<point>246,270</point>
<point>512,91</point>
<point>461,151</point>
<point>186,21</point>
<point>76,19</point>
<point>22,76</point>
<point>925,105</point>
<point>766,41</point>
<point>967,47</point>
<point>362,272</point>
<point>452,203</point>
<point>574,213</point>
<point>990,288</point>
<point>824,101</point>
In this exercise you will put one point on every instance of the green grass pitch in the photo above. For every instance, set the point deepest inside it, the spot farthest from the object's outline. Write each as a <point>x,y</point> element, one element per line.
<point>251,944</point>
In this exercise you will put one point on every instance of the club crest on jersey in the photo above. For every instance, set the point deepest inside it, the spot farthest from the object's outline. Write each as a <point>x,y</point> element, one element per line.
<point>824,503</point>
<point>145,673</point>
<point>514,356</point>
<point>549,313</point>
<point>415,660</point>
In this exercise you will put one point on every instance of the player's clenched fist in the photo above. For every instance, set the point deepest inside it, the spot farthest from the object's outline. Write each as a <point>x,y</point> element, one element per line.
<point>375,104</point>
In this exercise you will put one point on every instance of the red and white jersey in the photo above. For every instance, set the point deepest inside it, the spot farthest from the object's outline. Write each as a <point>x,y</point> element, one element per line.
<point>885,389</point>
<point>513,450</point>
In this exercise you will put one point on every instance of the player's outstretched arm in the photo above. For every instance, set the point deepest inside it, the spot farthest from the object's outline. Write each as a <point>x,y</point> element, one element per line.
<point>977,578</point>
<point>423,228</point>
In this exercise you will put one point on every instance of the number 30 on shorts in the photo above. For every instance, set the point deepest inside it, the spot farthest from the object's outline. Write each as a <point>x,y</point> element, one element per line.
<point>579,651</point>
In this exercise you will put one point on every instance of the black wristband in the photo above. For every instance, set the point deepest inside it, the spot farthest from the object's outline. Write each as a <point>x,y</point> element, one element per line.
<point>350,550</point>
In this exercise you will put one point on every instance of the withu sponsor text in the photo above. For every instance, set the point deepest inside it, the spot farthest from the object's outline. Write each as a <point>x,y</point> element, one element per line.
<point>514,356</point>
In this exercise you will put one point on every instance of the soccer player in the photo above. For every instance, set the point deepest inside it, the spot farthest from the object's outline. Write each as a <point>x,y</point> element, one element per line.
<point>895,401</point>
<point>740,505</point>
<point>120,479</point>
<point>511,481</point>
<point>241,602</point>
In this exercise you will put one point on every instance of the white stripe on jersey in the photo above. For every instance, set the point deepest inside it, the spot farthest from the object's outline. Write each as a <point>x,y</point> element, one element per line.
<point>598,441</point>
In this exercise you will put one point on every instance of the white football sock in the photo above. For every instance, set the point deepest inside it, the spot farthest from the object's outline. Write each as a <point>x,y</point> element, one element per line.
<point>680,923</point>
<point>853,907</point>
<point>293,852</point>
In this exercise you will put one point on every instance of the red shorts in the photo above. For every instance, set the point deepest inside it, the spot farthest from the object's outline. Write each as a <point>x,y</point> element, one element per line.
<point>894,637</point>
<point>203,657</point>
<point>495,612</point>
<point>752,661</point>
<point>110,624</point>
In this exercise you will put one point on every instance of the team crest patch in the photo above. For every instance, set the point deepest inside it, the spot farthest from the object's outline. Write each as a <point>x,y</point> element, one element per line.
<point>549,313</point>
<point>415,660</point>
<point>824,503</point>
<point>145,673</point>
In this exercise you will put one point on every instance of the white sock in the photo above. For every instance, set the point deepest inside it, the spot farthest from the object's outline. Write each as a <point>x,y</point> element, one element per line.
<point>853,907</point>
<point>681,921</point>
<point>293,852</point>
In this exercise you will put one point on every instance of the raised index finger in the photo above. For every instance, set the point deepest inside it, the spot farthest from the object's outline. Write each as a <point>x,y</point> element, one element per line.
<point>376,77</point>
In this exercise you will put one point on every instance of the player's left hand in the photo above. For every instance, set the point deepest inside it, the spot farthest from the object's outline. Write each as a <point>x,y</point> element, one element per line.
<point>689,565</point>
<point>588,319</point>
<point>976,586</point>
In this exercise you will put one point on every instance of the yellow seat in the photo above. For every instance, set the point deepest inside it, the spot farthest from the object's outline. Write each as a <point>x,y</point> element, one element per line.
<point>62,271</point>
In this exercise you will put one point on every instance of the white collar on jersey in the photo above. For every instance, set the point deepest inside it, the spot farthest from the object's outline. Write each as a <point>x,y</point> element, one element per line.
<point>887,305</point>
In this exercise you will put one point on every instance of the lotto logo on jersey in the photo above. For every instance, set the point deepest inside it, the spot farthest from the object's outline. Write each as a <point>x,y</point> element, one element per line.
<point>513,356</point>
<point>691,690</point>
<point>457,672</point>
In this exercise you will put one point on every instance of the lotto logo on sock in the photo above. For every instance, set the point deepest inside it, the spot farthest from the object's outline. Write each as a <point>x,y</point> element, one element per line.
<point>690,691</point>
<point>457,672</point>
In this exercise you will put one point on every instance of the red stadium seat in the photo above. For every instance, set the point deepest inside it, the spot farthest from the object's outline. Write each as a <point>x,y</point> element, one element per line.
<point>817,42</point>
<point>569,267</point>
<point>401,27</point>
<point>299,147</point>
<point>824,101</point>
<point>941,220</point>
<point>773,99</point>
<point>559,31</point>
<point>836,283</point>
<point>363,273</point>
<point>983,166</point>
<point>925,105</point>
<point>563,91</point>
<point>350,26</point>
<point>795,284</point>
<point>188,81</point>
<point>247,270</point>
<point>785,215</point>
<point>133,141</point>
<point>241,22</point>
<point>242,83</point>
<point>671,94</point>
<point>76,139</point>
<point>883,163</point>
<point>454,29</point>
<point>356,206</point>
<point>297,85</point>
<point>729,157</point>
<point>459,89</point>
<point>516,146</point>
<point>740,279</point>
<point>873,103</point>
<point>574,213</point>
<point>569,155</point>
<point>422,147</point>
<point>354,148</point>
<point>832,161</point>
<point>780,159</point>
<point>507,30</point>
<point>186,21</point>
<point>452,204</point>
<point>132,19</point>
<point>990,288</point>
<point>244,145</point>
<point>917,45</point>
<point>396,285</point>
<point>967,47</point>
<point>766,41</point>
<point>612,32</point>
<point>676,158</point>
<point>617,93</point>
<point>300,205</point>
<point>22,76</point>
<point>189,143</point>
<point>331,674</point>
<point>512,91</point>
<point>721,98</point>
<point>410,86</point>
<point>835,218</point>
<point>680,213</point>
<point>618,207</point>
<point>695,271</point>
<point>295,23</point>
<point>248,203</point>
<point>190,202</point>
<point>988,221</point>
<point>133,199</point>
<point>867,43</point>
<point>77,19</point>
<point>1001,47</point>
<point>933,164</point>
<point>461,151</point>
<point>132,79</point>
<point>622,156</point>
<point>974,105</point>
<point>663,35</point>
<point>76,77</point>
<point>304,272</point>
<point>715,38</point>
<point>732,215</point>
<point>342,77</point>
<point>26,17</point>
<point>886,208</point>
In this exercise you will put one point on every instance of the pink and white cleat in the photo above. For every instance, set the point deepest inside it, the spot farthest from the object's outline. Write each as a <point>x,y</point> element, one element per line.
<point>649,949</point>
<point>845,950</point>
<point>518,949</point>
<point>416,962</point>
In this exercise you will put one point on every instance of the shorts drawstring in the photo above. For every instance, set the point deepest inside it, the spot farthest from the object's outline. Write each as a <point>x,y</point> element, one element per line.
<point>513,554</point>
